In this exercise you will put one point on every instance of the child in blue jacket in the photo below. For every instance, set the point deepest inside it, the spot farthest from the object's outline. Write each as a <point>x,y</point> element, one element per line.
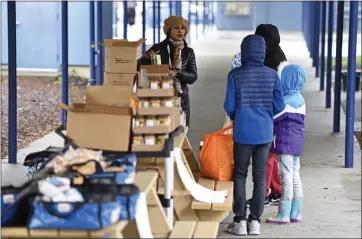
<point>289,143</point>
<point>253,96</point>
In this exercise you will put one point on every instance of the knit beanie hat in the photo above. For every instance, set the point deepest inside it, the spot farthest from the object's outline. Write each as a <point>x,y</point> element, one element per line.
<point>175,20</point>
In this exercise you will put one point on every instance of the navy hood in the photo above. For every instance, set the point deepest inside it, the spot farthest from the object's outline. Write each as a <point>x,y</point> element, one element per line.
<point>253,50</point>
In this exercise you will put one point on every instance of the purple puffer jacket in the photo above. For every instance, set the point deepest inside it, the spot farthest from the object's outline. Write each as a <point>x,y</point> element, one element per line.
<point>289,131</point>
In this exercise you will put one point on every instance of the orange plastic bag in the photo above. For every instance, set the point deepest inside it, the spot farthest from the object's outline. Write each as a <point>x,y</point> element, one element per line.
<point>216,156</point>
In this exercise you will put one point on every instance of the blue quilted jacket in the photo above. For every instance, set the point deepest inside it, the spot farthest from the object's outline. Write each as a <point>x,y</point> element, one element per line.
<point>254,95</point>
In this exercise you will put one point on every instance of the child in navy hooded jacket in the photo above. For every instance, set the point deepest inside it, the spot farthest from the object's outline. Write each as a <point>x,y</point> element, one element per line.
<point>288,145</point>
<point>254,95</point>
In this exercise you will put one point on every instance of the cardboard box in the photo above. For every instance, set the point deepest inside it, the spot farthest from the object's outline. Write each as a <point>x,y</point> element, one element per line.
<point>120,56</point>
<point>163,69</point>
<point>119,79</point>
<point>155,111</point>
<point>108,95</point>
<point>149,71</point>
<point>155,93</point>
<point>104,121</point>
<point>147,148</point>
<point>153,130</point>
<point>160,110</point>
<point>175,122</point>
<point>99,127</point>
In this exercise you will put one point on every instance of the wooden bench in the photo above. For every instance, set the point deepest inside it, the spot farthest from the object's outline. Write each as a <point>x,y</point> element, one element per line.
<point>114,231</point>
<point>146,181</point>
<point>185,207</point>
<point>214,211</point>
<point>191,229</point>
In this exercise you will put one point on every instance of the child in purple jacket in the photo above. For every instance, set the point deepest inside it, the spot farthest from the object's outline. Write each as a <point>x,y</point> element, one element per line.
<point>288,145</point>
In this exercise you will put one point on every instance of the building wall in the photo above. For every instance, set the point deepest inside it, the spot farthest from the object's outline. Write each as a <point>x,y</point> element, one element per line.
<point>285,15</point>
<point>37,37</point>
<point>39,33</point>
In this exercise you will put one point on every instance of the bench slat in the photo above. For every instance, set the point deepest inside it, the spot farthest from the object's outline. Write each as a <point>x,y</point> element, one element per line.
<point>183,229</point>
<point>207,183</point>
<point>73,234</point>
<point>206,230</point>
<point>146,180</point>
<point>43,233</point>
<point>14,232</point>
<point>228,203</point>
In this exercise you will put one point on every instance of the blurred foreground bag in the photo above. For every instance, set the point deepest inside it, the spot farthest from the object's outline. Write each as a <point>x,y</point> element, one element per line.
<point>216,156</point>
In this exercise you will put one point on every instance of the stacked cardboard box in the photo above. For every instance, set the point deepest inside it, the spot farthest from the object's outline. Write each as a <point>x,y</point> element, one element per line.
<point>158,111</point>
<point>104,119</point>
<point>120,64</point>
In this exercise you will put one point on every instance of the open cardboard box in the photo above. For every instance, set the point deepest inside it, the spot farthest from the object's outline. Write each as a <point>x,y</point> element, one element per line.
<point>150,71</point>
<point>120,56</point>
<point>109,95</point>
<point>159,110</point>
<point>103,122</point>
<point>175,122</point>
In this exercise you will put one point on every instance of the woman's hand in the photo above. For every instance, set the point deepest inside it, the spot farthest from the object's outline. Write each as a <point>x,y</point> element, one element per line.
<point>150,54</point>
<point>172,73</point>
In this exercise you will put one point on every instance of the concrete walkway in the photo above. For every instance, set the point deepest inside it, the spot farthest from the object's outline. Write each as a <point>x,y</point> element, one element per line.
<point>332,205</point>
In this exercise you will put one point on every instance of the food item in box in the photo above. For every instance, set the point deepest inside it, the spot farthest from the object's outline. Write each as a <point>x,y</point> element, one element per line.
<point>164,120</point>
<point>167,84</point>
<point>155,103</point>
<point>156,59</point>
<point>144,103</point>
<point>151,121</point>
<point>150,140</point>
<point>167,102</point>
<point>154,83</point>
<point>137,139</point>
<point>140,121</point>
<point>161,139</point>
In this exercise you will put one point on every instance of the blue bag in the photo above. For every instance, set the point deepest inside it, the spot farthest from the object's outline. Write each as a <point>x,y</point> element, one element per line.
<point>125,161</point>
<point>100,209</point>
<point>16,205</point>
<point>127,196</point>
<point>76,216</point>
<point>104,205</point>
<point>8,205</point>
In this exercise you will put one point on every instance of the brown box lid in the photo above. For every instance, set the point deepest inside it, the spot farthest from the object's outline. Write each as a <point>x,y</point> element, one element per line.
<point>108,95</point>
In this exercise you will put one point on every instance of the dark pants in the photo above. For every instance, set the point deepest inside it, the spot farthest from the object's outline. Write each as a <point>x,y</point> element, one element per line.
<point>242,155</point>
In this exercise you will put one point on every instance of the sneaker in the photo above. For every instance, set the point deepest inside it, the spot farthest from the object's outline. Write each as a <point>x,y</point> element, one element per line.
<point>254,227</point>
<point>239,229</point>
<point>275,197</point>
<point>266,202</point>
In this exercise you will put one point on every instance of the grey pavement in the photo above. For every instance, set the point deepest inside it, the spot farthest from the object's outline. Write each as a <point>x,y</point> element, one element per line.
<point>332,206</point>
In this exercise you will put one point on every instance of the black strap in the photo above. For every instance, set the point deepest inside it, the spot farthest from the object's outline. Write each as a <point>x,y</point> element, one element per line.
<point>99,168</point>
<point>48,208</point>
<point>128,207</point>
<point>100,215</point>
